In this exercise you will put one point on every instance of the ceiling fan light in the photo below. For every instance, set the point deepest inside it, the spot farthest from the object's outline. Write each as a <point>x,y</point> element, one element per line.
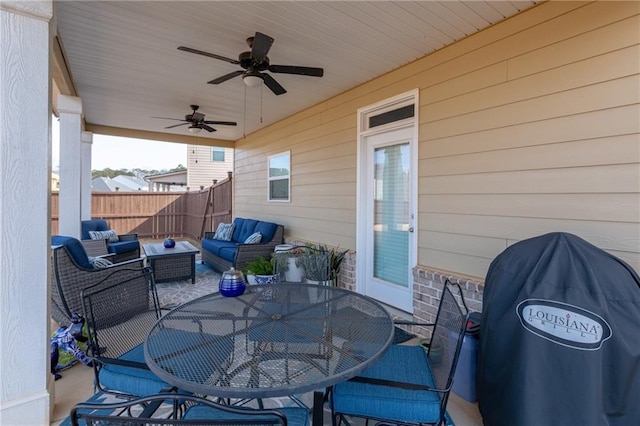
<point>194,130</point>
<point>252,80</point>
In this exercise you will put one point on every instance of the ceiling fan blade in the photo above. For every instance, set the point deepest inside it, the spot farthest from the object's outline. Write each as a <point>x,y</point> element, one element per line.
<point>291,69</point>
<point>261,45</point>
<point>176,125</point>
<point>211,55</point>
<point>207,128</point>
<point>273,84</point>
<point>169,118</point>
<point>221,123</point>
<point>225,77</point>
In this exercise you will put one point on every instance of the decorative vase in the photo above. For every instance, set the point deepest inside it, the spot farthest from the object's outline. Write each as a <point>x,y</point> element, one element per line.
<point>232,283</point>
<point>266,279</point>
<point>169,242</point>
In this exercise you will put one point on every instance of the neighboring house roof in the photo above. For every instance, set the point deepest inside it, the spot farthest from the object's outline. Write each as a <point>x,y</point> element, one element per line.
<point>177,181</point>
<point>132,182</point>
<point>103,184</point>
<point>119,183</point>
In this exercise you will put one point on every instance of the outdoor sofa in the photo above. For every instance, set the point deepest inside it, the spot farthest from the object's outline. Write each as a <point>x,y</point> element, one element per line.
<point>236,253</point>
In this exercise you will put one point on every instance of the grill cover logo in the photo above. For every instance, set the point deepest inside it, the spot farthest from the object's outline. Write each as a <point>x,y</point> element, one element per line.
<point>564,324</point>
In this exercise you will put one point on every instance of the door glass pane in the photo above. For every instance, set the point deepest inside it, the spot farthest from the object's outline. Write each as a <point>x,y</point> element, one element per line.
<point>391,214</point>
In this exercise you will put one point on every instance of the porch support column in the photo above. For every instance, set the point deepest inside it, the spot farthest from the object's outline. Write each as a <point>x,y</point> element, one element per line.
<point>70,196</point>
<point>25,209</point>
<point>85,180</point>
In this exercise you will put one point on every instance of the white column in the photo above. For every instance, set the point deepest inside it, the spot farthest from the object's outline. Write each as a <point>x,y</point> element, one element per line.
<point>85,179</point>
<point>25,211</point>
<point>70,195</point>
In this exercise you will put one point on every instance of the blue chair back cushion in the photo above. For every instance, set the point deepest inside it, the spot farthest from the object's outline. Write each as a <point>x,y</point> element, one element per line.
<point>93,225</point>
<point>373,401</point>
<point>242,229</point>
<point>267,229</point>
<point>74,248</point>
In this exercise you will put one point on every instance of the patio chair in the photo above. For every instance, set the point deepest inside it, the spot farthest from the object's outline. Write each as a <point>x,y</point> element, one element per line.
<point>410,384</point>
<point>175,409</point>
<point>119,311</point>
<point>123,246</point>
<point>72,271</point>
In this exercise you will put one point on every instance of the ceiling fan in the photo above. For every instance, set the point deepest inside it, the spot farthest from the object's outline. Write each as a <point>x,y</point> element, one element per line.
<point>196,121</point>
<point>256,61</point>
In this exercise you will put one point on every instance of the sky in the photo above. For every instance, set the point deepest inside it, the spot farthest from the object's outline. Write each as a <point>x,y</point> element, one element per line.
<point>126,153</point>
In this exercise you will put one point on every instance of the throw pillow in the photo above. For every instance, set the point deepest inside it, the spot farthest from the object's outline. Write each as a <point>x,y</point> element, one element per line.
<point>254,238</point>
<point>224,232</point>
<point>109,235</point>
<point>99,262</point>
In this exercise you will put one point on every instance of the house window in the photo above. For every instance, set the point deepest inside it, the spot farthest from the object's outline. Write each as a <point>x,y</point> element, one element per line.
<point>280,177</point>
<point>217,154</point>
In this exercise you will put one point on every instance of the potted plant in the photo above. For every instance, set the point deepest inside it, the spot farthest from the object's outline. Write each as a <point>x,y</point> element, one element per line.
<point>336,258</point>
<point>262,269</point>
<point>288,266</point>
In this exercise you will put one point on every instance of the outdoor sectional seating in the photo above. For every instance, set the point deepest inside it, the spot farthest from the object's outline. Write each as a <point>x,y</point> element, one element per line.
<point>222,255</point>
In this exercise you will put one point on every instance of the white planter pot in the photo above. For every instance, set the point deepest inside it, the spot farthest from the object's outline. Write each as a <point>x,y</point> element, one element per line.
<point>294,273</point>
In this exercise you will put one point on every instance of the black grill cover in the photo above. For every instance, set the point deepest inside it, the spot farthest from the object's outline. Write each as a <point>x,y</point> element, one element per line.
<point>559,336</point>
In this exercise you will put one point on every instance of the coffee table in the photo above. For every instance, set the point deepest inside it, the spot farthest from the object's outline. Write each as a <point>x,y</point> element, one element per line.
<point>172,264</point>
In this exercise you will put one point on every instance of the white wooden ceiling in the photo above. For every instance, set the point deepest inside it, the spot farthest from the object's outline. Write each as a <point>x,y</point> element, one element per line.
<point>123,57</point>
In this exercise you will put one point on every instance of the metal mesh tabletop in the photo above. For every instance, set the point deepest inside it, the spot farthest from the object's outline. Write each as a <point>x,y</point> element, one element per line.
<point>274,340</point>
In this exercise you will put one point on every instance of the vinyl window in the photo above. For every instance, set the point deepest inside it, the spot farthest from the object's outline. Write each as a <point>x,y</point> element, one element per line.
<point>279,177</point>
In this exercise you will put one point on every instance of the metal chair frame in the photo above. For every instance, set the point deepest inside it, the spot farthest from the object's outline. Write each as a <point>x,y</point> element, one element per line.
<point>450,322</point>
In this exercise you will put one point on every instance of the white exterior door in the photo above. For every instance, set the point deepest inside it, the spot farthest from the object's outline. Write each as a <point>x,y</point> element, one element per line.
<point>387,251</point>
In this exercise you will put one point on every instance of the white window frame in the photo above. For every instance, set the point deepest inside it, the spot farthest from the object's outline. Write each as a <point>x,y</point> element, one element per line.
<point>224,154</point>
<point>275,178</point>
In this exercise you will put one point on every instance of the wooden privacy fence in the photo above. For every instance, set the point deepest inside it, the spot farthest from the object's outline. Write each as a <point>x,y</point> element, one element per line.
<point>160,214</point>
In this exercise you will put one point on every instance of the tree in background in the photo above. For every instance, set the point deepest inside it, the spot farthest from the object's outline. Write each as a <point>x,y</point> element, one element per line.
<point>139,173</point>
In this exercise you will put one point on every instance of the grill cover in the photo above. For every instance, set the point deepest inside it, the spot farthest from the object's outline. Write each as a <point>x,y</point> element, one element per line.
<point>559,336</point>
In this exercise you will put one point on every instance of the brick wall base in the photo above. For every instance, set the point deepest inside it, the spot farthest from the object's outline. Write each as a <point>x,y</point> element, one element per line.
<point>427,288</point>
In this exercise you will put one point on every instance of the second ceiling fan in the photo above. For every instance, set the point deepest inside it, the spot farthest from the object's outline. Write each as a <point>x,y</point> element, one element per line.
<point>256,61</point>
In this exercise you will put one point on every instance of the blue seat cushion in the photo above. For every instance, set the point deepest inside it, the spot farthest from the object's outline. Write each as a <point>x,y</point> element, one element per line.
<point>228,253</point>
<point>131,380</point>
<point>267,229</point>
<point>242,229</point>
<point>93,225</point>
<point>74,248</point>
<point>214,246</point>
<point>295,415</point>
<point>124,246</point>
<point>401,363</point>
<point>192,349</point>
<point>138,381</point>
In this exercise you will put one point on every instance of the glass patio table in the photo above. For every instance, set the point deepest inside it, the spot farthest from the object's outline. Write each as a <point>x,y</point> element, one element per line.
<point>274,340</point>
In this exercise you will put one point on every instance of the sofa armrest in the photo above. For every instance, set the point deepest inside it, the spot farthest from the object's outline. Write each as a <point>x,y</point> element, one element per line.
<point>128,237</point>
<point>247,252</point>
